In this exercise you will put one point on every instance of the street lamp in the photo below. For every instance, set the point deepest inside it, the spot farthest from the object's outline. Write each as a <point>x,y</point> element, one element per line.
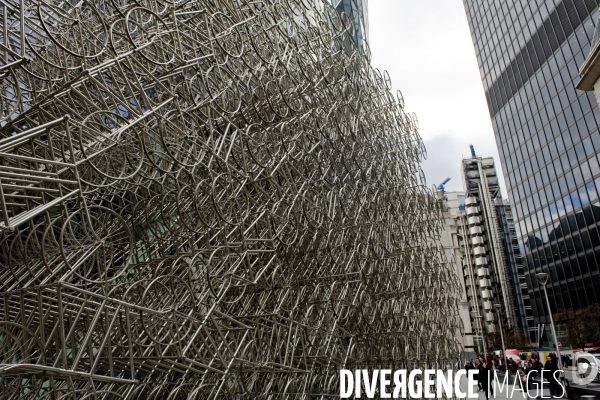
<point>542,279</point>
<point>481,329</point>
<point>498,306</point>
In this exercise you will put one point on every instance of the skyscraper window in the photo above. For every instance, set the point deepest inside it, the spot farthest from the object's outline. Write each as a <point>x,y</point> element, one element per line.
<point>547,134</point>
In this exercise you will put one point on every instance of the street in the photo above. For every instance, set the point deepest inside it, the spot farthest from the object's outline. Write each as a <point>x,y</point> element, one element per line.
<point>509,392</point>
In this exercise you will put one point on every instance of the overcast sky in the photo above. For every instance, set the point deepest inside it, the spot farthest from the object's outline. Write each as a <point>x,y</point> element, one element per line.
<point>426,47</point>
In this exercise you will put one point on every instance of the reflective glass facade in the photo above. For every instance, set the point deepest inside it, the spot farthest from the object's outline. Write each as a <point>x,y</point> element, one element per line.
<point>547,133</point>
<point>357,11</point>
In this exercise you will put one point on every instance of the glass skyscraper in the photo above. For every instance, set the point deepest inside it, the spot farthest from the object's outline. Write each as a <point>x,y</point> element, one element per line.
<point>357,11</point>
<point>547,133</point>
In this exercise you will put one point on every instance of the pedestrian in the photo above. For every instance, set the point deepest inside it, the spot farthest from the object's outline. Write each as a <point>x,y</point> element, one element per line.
<point>527,376</point>
<point>512,365</point>
<point>485,379</point>
<point>536,364</point>
<point>501,361</point>
<point>476,366</point>
<point>548,372</point>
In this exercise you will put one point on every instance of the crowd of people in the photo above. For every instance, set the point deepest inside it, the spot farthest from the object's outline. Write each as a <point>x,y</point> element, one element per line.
<point>528,369</point>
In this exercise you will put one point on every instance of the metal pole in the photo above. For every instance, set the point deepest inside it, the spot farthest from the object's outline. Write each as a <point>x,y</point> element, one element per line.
<point>501,335</point>
<point>553,330</point>
<point>480,318</point>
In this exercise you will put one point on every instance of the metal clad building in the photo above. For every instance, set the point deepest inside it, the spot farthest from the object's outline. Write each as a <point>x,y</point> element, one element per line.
<point>489,270</point>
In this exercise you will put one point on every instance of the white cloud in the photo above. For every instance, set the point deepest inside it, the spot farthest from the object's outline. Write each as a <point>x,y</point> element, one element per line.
<point>426,47</point>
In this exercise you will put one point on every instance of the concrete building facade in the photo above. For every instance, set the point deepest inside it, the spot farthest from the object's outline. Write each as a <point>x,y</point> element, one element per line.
<point>589,71</point>
<point>453,206</point>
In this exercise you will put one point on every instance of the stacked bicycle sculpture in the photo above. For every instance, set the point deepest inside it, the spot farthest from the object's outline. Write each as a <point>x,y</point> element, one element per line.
<point>208,199</point>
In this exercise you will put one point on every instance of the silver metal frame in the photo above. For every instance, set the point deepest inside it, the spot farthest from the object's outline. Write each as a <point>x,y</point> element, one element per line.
<point>208,199</point>
<point>542,278</point>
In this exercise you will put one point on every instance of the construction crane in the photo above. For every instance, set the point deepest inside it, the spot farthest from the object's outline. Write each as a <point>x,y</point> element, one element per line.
<point>441,185</point>
<point>472,150</point>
